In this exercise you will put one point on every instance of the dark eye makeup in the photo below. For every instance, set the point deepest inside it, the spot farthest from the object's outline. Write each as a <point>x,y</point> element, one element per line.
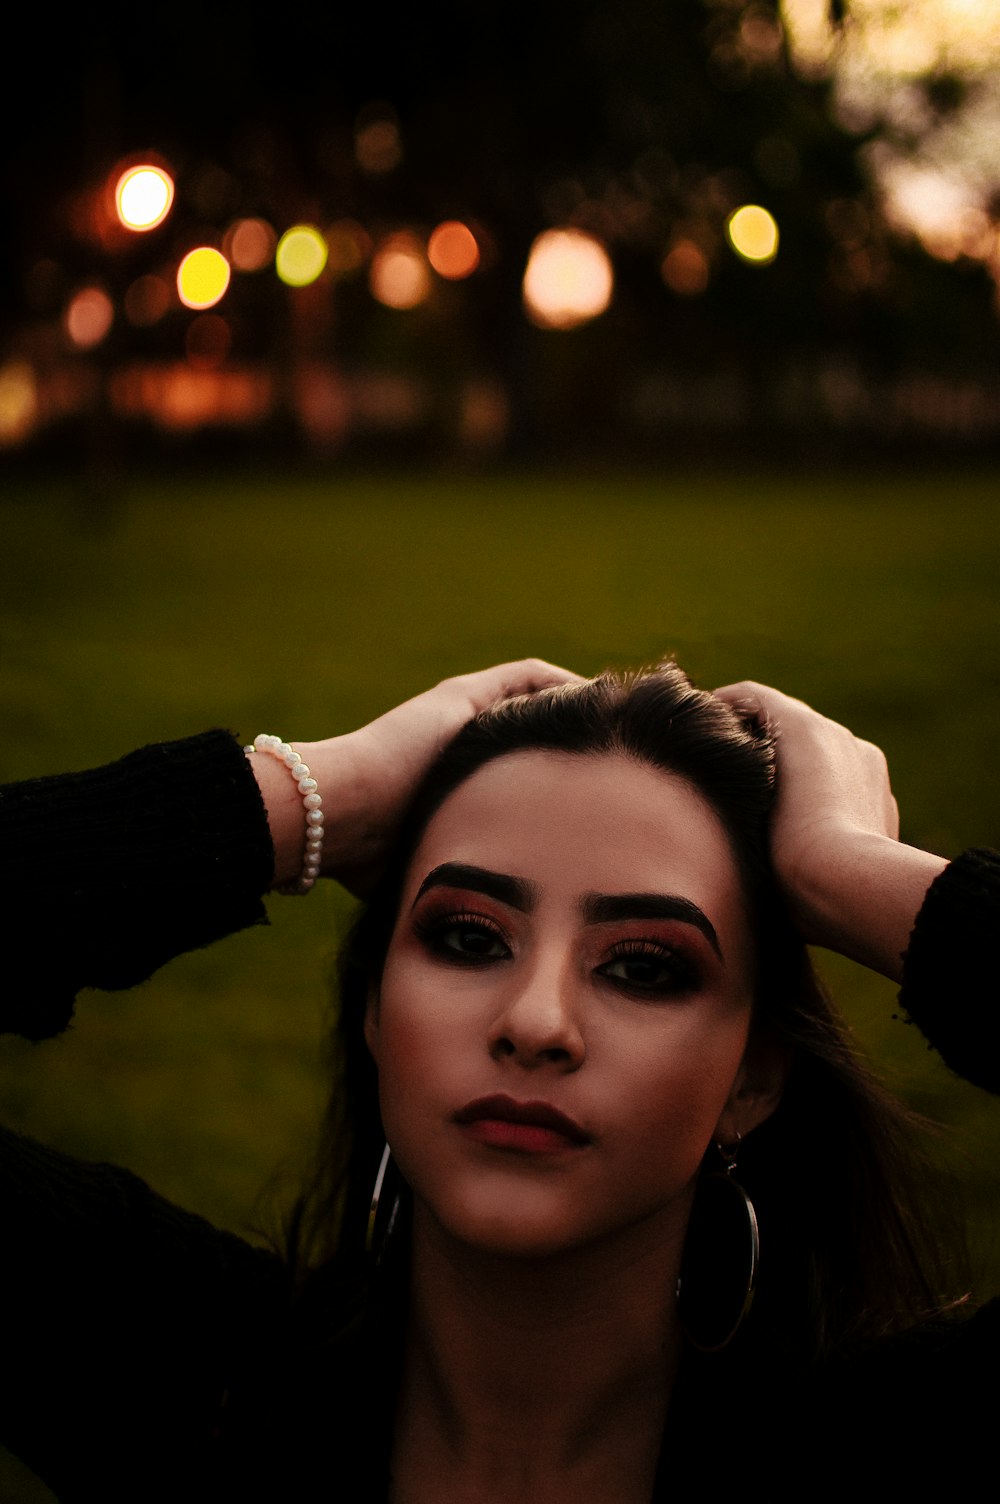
<point>640,967</point>
<point>464,939</point>
<point>649,968</point>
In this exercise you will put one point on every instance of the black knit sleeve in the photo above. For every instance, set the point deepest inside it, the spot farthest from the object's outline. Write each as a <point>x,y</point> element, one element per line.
<point>108,874</point>
<point>949,977</point>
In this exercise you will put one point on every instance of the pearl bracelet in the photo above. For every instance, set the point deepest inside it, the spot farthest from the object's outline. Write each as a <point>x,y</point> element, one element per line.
<point>311,799</point>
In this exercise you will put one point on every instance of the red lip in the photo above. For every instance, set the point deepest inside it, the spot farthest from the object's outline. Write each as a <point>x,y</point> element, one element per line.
<point>534,1127</point>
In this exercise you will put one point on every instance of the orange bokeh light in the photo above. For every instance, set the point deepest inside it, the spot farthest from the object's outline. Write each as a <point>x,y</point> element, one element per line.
<point>208,341</point>
<point>88,317</point>
<point>349,246</point>
<point>685,269</point>
<point>399,275</point>
<point>453,250</point>
<point>147,300</point>
<point>377,146</point>
<point>249,244</point>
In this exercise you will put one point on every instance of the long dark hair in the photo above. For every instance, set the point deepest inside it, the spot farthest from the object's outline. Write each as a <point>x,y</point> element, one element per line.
<point>848,1253</point>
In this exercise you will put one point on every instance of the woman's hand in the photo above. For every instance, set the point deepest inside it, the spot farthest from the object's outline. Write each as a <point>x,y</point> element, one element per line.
<point>835,837</point>
<point>367,777</point>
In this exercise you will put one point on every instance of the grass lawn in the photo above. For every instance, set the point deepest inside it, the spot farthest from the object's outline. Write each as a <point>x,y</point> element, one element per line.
<point>306,607</point>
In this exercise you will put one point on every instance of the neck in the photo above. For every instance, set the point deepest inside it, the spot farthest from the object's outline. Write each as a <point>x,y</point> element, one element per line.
<point>546,1378</point>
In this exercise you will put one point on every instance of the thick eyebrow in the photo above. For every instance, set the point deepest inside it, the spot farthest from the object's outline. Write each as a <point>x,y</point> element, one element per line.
<point>597,908</point>
<point>517,892</point>
<point>605,908</point>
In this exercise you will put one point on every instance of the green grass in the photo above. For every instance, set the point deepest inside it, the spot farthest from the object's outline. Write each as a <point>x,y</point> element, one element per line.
<point>307,607</point>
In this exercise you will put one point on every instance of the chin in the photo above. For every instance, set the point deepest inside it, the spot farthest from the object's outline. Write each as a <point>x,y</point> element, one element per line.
<point>523,1227</point>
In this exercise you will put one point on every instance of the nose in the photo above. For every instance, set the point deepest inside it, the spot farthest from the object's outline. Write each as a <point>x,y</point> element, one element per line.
<point>538,1024</point>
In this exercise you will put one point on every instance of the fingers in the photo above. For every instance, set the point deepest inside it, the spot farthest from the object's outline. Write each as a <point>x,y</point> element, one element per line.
<point>505,679</point>
<point>760,702</point>
<point>782,713</point>
<point>824,769</point>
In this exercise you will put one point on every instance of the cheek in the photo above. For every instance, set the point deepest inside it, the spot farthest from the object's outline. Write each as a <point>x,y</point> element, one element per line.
<point>677,1089</point>
<point>414,1042</point>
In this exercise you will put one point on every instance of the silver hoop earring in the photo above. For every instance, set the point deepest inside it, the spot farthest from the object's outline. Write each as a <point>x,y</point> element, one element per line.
<point>377,1237</point>
<point>721,1254</point>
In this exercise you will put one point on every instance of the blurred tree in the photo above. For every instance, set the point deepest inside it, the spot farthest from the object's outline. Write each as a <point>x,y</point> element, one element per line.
<point>643,123</point>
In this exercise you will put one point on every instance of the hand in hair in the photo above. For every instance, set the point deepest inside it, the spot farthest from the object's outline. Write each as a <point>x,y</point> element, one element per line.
<point>850,884</point>
<point>367,777</point>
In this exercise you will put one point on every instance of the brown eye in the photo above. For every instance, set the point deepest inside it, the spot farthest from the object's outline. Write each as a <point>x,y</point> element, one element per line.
<point>468,939</point>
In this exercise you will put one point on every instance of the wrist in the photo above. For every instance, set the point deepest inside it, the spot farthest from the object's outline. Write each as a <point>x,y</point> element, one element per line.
<point>859,893</point>
<point>293,805</point>
<point>350,833</point>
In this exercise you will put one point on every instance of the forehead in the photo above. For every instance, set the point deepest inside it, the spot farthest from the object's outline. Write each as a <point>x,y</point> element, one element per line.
<point>594,823</point>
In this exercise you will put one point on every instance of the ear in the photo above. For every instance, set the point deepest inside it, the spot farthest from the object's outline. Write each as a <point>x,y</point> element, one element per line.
<point>757,1089</point>
<point>371,1021</point>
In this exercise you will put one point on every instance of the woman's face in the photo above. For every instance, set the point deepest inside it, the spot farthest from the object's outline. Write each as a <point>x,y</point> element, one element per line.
<point>561,1025</point>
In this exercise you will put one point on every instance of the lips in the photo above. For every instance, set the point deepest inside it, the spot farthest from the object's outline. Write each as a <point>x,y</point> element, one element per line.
<point>526,1127</point>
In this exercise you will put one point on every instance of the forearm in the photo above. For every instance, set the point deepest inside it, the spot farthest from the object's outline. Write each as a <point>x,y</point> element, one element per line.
<point>864,899</point>
<point>107,874</point>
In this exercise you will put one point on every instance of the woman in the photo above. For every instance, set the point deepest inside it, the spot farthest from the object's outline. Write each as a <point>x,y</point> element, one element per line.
<point>581,999</point>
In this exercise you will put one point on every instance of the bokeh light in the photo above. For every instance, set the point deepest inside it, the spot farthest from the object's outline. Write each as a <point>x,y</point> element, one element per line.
<point>249,244</point>
<point>349,245</point>
<point>377,146</point>
<point>568,279</point>
<point>753,234</point>
<point>202,277</point>
<point>685,269</point>
<point>301,255</point>
<point>208,341</point>
<point>143,196</point>
<point>453,250</point>
<point>887,38</point>
<point>147,300</point>
<point>399,275</point>
<point>88,317</point>
<point>943,213</point>
<point>18,401</point>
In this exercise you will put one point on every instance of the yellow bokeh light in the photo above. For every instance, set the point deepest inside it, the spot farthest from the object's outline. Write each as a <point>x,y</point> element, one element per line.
<point>399,275</point>
<point>453,251</point>
<point>88,317</point>
<point>301,255</point>
<point>753,234</point>
<point>202,277</point>
<point>143,197</point>
<point>249,244</point>
<point>568,279</point>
